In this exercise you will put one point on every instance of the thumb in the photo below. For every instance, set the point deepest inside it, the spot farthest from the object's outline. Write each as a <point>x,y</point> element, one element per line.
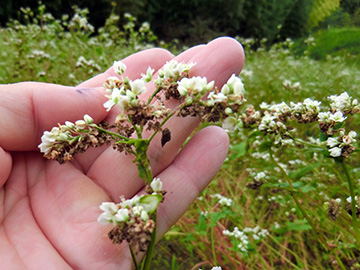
<point>29,108</point>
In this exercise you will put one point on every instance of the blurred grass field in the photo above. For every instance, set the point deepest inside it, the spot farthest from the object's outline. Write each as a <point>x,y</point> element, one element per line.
<point>326,63</point>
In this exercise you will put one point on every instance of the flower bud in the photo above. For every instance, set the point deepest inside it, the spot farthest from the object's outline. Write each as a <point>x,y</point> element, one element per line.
<point>88,119</point>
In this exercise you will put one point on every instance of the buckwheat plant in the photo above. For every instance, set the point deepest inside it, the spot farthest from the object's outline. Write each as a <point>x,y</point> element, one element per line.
<point>134,219</point>
<point>276,123</point>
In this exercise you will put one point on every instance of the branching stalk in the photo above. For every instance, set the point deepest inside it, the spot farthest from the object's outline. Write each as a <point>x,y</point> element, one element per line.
<point>298,204</point>
<point>353,201</point>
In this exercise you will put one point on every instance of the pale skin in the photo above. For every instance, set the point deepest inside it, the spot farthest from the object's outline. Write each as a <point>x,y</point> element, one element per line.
<point>48,211</point>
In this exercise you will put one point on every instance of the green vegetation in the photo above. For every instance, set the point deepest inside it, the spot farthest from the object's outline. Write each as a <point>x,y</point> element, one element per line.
<point>65,51</point>
<point>292,243</point>
<point>68,52</point>
<point>337,42</point>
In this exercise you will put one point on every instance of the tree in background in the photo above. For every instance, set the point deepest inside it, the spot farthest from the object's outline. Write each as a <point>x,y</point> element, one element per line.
<point>198,21</point>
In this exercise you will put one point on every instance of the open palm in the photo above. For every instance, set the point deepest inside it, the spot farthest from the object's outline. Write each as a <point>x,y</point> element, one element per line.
<point>48,212</point>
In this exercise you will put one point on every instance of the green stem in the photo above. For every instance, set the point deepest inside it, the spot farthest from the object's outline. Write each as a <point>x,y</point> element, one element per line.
<point>162,123</point>
<point>150,251</point>
<point>280,255</point>
<point>158,89</point>
<point>213,245</point>
<point>183,105</point>
<point>308,144</point>
<point>134,259</point>
<point>114,134</point>
<point>353,201</point>
<point>298,204</point>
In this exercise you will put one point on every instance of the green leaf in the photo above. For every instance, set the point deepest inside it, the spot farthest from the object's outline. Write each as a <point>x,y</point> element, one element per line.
<point>265,146</point>
<point>201,226</point>
<point>323,137</point>
<point>307,188</point>
<point>150,202</point>
<point>215,217</point>
<point>298,225</point>
<point>296,175</point>
<point>141,159</point>
<point>238,150</point>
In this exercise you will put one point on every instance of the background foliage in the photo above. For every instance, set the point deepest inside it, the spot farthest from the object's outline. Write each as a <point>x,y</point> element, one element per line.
<point>197,21</point>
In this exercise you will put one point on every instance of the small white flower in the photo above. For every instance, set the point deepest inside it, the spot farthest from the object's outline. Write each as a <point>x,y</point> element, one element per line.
<point>216,268</point>
<point>194,86</point>
<point>144,215</point>
<point>88,119</point>
<point>217,98</point>
<point>247,73</point>
<point>337,117</point>
<point>109,207</point>
<point>223,201</point>
<point>122,215</point>
<point>324,116</point>
<point>111,83</point>
<point>105,219</point>
<point>138,86</point>
<point>259,176</point>
<point>149,74</point>
<point>137,210</point>
<point>69,124</point>
<point>264,106</point>
<point>173,69</point>
<point>81,124</point>
<point>234,89</point>
<point>229,123</point>
<point>228,111</point>
<point>341,102</point>
<point>107,216</point>
<point>350,138</point>
<point>352,134</point>
<point>335,152</point>
<point>156,185</point>
<point>312,105</point>
<point>119,67</point>
<point>331,142</point>
<point>47,142</point>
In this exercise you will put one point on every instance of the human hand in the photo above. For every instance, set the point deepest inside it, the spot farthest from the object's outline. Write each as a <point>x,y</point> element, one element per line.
<point>49,211</point>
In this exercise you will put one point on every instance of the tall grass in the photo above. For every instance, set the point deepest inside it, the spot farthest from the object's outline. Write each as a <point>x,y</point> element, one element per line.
<point>294,170</point>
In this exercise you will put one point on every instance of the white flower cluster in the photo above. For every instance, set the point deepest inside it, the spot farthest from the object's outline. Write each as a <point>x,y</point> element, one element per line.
<point>234,90</point>
<point>81,62</point>
<point>328,117</point>
<point>357,201</point>
<point>342,102</point>
<point>260,176</point>
<point>240,236</point>
<point>222,200</point>
<point>138,206</point>
<point>38,54</point>
<point>79,21</point>
<point>270,123</point>
<point>306,109</point>
<point>124,93</point>
<point>337,144</point>
<point>63,133</point>
<point>172,70</point>
<point>194,87</point>
<point>243,236</point>
<point>289,85</point>
<point>232,93</point>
